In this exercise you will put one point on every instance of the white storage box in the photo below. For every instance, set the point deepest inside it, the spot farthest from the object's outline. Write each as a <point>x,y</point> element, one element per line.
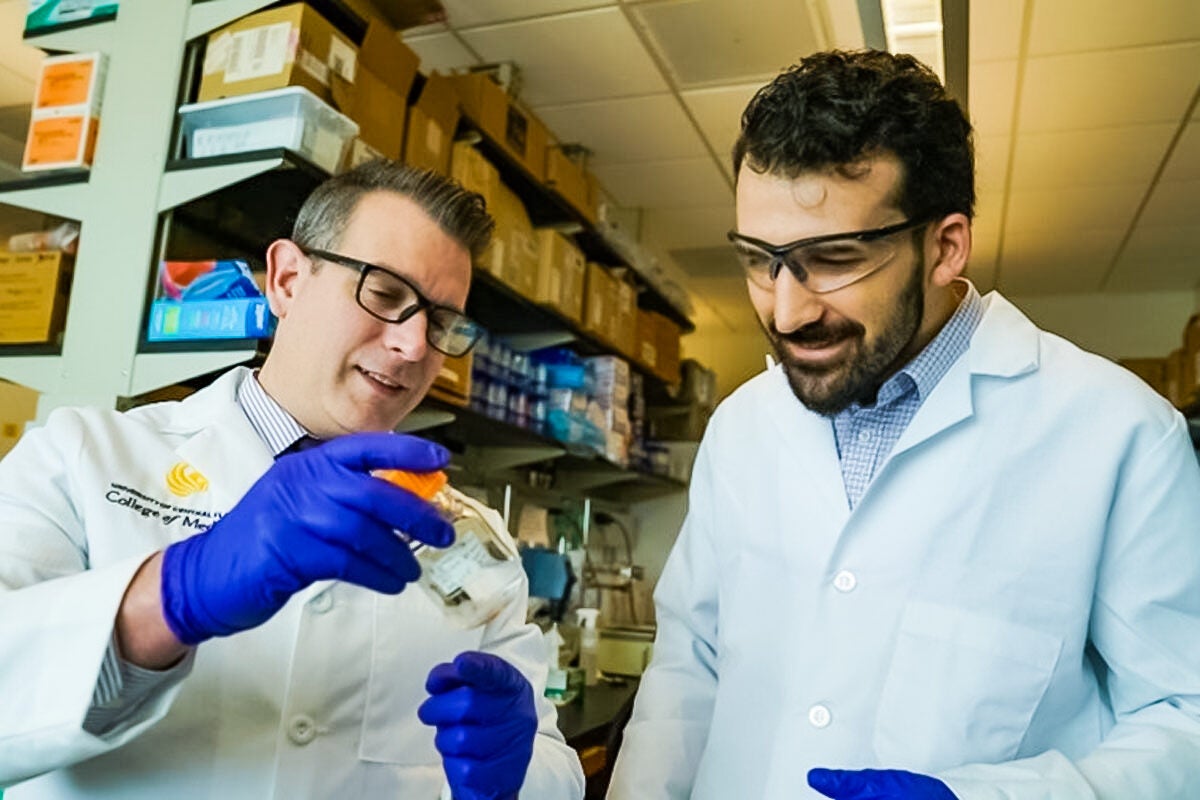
<point>291,117</point>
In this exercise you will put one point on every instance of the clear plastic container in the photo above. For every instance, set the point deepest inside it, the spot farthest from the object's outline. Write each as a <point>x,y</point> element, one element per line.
<point>291,117</point>
<point>480,573</point>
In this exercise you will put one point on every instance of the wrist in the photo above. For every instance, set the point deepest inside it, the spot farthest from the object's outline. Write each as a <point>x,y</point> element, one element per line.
<point>143,635</point>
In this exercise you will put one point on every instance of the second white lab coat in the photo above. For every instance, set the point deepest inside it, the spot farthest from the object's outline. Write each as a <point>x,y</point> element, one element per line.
<point>1014,605</point>
<point>319,702</point>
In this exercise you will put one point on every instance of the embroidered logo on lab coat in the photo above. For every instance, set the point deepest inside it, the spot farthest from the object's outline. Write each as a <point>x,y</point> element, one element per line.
<point>184,480</point>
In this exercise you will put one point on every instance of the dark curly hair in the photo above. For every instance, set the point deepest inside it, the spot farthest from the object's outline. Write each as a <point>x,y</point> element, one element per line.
<point>836,108</point>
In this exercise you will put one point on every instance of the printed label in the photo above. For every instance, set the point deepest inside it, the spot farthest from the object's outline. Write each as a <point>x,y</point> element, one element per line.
<point>258,52</point>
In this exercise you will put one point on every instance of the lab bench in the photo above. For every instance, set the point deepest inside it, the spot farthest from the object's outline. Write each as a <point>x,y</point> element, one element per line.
<point>587,723</point>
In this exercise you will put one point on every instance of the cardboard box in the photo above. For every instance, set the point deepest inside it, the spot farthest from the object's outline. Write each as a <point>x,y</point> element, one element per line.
<point>622,331</point>
<point>667,346</point>
<point>560,272</point>
<point>34,289</point>
<point>600,297</point>
<point>66,113</point>
<point>570,181</point>
<point>512,256</point>
<point>645,350</point>
<point>432,120</point>
<point>377,99</point>
<point>471,168</point>
<point>453,381</point>
<point>291,45</point>
<point>517,131</point>
<point>18,406</point>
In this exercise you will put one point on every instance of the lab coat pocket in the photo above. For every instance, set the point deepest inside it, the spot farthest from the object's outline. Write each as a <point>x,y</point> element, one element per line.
<point>962,688</point>
<point>410,637</point>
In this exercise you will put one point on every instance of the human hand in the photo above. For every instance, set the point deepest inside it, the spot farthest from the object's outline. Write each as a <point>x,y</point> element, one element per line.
<point>877,784</point>
<point>486,722</point>
<point>315,515</point>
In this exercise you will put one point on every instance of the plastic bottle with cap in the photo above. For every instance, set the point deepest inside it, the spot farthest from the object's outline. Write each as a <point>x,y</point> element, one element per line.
<point>556,676</point>
<point>588,638</point>
<point>476,576</point>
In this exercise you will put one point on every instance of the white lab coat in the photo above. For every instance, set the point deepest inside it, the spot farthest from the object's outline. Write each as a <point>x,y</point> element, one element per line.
<point>320,701</point>
<point>1014,606</point>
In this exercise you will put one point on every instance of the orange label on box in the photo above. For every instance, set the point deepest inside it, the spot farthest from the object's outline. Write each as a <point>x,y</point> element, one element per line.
<point>57,140</point>
<point>65,84</point>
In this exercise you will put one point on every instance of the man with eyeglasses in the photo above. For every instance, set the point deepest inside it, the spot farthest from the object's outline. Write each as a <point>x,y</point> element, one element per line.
<point>934,552</point>
<point>208,598</point>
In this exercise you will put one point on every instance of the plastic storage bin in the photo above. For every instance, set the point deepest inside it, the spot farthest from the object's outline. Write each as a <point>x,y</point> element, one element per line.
<point>291,117</point>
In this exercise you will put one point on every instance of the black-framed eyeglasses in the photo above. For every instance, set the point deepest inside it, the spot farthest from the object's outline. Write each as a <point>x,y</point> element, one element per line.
<point>388,297</point>
<point>821,263</point>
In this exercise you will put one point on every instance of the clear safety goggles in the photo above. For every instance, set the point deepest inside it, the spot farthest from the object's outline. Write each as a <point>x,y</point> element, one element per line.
<point>821,263</point>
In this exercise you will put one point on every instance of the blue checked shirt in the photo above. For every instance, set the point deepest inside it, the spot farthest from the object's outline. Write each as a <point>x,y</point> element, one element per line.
<point>122,685</point>
<point>865,435</point>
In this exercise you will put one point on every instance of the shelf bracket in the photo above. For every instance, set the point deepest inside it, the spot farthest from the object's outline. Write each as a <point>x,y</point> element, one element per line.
<point>423,419</point>
<point>155,370</point>
<point>526,342</point>
<point>40,373</point>
<point>69,200</point>
<point>579,481</point>
<point>205,17</point>
<point>81,39</point>
<point>488,459</point>
<point>182,185</point>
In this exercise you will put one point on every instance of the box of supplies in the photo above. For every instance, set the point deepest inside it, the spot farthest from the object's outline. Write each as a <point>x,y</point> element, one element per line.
<point>291,45</point>
<point>292,117</point>
<point>47,14</point>
<point>34,289</point>
<point>65,120</point>
<point>432,120</point>
<point>212,299</point>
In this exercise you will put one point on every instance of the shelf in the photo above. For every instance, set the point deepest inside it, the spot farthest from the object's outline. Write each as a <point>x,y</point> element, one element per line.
<point>59,194</point>
<point>38,372</point>
<point>155,370</point>
<point>208,15</point>
<point>75,37</point>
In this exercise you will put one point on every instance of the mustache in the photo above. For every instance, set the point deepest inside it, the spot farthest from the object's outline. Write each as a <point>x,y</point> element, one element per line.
<point>818,333</point>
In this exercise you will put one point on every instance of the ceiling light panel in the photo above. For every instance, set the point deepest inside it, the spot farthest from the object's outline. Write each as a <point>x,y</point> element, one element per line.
<point>1109,88</point>
<point>442,52</point>
<point>471,13</point>
<point>586,55</point>
<point>1068,26</point>
<point>707,42</point>
<point>915,27</point>
<point>718,112</point>
<point>995,30</point>
<point>630,130</point>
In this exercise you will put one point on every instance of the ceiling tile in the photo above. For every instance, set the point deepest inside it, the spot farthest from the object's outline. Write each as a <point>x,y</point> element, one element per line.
<point>1106,155</point>
<point>704,42</point>
<point>682,228</point>
<point>1065,26</point>
<point>1109,205</point>
<point>665,184</point>
<point>993,91</point>
<point>718,112</point>
<point>1173,203</point>
<point>1108,88</point>
<point>469,13</point>
<point>651,128</point>
<point>995,30</point>
<point>441,51</point>
<point>1068,260</point>
<point>585,55</point>
<point>1184,163</point>
<point>1159,257</point>
<point>991,165</point>
<point>707,263</point>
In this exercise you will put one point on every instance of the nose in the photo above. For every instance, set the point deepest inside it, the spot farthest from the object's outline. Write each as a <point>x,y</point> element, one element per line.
<point>408,337</point>
<point>795,305</point>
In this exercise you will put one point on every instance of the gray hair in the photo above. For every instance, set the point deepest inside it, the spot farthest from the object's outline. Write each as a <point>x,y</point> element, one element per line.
<point>460,213</point>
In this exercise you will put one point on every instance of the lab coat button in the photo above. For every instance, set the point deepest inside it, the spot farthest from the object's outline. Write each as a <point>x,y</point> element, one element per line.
<point>302,729</point>
<point>819,716</point>
<point>864,437</point>
<point>322,602</point>
<point>845,581</point>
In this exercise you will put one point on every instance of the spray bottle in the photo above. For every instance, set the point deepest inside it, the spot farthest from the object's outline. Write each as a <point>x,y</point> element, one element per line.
<point>588,637</point>
<point>556,676</point>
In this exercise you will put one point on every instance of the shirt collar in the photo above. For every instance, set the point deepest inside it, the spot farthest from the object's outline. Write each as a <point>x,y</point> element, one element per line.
<point>275,426</point>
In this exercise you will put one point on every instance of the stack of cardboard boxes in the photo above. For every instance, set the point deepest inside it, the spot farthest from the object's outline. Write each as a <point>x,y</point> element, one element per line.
<point>1176,376</point>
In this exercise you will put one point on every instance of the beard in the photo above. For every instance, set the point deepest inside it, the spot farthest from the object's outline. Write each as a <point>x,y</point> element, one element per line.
<point>829,390</point>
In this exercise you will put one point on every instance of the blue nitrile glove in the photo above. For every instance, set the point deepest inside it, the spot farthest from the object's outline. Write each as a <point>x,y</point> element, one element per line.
<point>486,721</point>
<point>877,784</point>
<point>315,515</point>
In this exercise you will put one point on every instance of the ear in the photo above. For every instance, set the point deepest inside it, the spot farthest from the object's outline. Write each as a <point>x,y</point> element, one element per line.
<point>948,248</point>
<point>287,267</point>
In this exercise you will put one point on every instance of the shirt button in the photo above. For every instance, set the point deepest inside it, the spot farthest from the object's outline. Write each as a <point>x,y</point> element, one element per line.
<point>845,581</point>
<point>322,602</point>
<point>864,437</point>
<point>302,729</point>
<point>819,716</point>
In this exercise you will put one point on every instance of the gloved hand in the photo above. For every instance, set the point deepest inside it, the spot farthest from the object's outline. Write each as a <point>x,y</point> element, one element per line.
<point>486,722</point>
<point>315,515</point>
<point>877,784</point>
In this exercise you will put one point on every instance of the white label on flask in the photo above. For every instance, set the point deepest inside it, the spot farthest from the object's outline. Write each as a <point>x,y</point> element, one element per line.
<point>258,52</point>
<point>457,564</point>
